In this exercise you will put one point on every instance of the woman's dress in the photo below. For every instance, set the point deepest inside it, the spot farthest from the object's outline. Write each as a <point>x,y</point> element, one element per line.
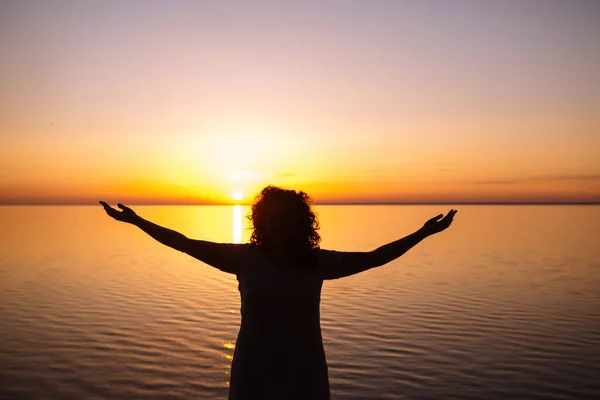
<point>279,350</point>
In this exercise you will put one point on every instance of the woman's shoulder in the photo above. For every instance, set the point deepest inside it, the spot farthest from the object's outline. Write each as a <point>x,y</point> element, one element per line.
<point>235,256</point>
<point>236,250</point>
<point>325,256</point>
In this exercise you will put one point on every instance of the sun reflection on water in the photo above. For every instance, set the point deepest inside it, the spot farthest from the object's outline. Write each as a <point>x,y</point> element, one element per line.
<point>237,224</point>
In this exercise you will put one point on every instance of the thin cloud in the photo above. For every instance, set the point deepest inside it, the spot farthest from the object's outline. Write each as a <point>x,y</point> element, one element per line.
<point>583,177</point>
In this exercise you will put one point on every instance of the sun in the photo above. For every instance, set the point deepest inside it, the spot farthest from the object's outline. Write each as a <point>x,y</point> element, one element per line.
<point>237,195</point>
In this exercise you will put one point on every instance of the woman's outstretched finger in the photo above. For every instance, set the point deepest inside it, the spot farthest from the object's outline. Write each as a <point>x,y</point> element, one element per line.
<point>436,218</point>
<point>123,207</point>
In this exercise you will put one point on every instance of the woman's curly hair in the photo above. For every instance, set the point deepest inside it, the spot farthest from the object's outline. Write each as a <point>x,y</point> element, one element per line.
<point>307,238</point>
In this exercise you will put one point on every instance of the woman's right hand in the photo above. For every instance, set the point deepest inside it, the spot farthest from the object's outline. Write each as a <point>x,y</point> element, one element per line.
<point>127,215</point>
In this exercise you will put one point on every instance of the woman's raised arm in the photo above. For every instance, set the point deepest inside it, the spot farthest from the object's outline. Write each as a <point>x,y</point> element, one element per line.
<point>211,253</point>
<point>341,264</point>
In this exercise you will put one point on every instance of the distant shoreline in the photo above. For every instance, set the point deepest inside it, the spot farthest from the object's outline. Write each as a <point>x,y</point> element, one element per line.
<point>324,204</point>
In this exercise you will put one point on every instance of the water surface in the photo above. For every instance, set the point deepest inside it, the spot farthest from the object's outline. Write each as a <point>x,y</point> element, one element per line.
<point>504,304</point>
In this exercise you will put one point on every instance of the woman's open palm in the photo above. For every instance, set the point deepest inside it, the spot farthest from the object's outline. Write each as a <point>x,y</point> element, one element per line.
<point>127,215</point>
<point>435,225</point>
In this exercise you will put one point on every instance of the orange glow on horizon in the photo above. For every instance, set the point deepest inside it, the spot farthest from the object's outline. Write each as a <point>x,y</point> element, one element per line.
<point>387,107</point>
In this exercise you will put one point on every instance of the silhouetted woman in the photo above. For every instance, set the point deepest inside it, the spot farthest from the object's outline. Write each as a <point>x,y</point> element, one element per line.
<point>279,350</point>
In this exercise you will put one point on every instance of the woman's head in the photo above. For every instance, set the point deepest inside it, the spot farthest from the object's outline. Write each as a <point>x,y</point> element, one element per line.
<point>284,219</point>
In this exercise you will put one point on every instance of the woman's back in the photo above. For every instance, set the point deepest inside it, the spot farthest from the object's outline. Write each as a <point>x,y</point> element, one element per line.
<point>279,351</point>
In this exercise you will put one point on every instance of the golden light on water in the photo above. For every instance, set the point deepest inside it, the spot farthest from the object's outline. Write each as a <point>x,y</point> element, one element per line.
<point>237,224</point>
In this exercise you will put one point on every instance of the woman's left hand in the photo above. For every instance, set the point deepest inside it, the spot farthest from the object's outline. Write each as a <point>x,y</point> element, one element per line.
<point>435,225</point>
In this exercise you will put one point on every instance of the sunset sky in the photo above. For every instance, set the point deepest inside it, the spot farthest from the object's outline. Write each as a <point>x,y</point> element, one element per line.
<point>171,102</point>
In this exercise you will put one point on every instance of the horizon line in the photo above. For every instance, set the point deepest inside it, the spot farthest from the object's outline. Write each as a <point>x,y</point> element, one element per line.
<point>323,203</point>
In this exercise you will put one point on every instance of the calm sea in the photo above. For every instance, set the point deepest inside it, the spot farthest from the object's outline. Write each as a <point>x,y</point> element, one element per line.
<point>504,304</point>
